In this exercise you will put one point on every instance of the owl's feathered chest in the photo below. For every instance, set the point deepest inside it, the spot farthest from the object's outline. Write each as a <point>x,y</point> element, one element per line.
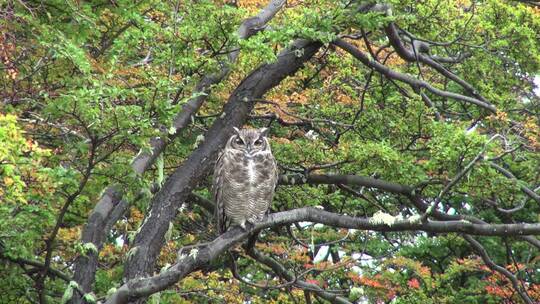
<point>244,186</point>
<point>250,171</point>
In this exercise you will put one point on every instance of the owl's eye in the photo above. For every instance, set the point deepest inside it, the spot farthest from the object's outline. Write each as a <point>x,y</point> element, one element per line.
<point>238,141</point>
<point>258,142</point>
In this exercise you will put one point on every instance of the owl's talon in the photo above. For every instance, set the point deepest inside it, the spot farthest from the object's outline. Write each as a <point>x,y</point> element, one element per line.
<point>251,224</point>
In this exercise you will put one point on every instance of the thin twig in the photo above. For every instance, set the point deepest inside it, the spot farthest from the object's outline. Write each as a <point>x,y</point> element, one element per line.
<point>489,262</point>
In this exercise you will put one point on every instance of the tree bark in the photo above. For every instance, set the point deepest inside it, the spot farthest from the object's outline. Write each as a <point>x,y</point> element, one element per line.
<point>194,260</point>
<point>177,188</point>
<point>110,207</point>
<point>415,83</point>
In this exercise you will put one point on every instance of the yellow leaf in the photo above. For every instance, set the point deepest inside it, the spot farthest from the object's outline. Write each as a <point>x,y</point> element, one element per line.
<point>8,181</point>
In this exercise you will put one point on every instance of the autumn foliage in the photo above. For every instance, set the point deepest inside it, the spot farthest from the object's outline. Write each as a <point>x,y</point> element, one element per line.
<point>408,113</point>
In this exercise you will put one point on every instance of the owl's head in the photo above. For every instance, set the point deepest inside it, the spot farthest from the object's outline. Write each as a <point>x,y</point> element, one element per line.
<point>249,141</point>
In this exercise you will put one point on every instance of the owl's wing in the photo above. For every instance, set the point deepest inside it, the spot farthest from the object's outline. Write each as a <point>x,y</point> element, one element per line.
<point>217,189</point>
<point>275,175</point>
<point>273,179</point>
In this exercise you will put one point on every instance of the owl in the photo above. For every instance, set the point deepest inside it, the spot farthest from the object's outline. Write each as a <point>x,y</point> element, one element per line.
<point>245,178</point>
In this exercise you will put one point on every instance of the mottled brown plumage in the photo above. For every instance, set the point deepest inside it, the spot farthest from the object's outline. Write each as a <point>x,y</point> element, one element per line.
<point>245,177</point>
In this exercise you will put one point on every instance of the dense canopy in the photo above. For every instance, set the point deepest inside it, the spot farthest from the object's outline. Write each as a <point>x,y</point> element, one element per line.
<point>407,135</point>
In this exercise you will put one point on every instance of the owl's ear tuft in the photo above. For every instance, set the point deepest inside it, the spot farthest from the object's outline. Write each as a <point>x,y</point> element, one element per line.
<point>237,131</point>
<point>264,132</point>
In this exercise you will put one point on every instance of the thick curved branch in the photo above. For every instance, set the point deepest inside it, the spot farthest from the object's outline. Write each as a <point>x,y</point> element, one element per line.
<point>408,191</point>
<point>100,218</point>
<point>143,287</point>
<point>179,185</point>
<point>247,29</point>
<point>415,83</point>
<point>423,206</point>
<point>374,224</point>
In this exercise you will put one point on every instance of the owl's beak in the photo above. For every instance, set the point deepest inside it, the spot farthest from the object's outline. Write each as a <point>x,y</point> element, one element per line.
<point>249,151</point>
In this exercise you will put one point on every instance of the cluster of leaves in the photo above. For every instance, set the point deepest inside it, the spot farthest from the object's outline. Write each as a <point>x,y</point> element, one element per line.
<point>28,184</point>
<point>441,277</point>
<point>88,84</point>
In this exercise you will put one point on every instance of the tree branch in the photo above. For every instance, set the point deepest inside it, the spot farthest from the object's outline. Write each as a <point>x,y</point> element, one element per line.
<point>489,262</point>
<point>509,174</point>
<point>411,56</point>
<point>460,175</point>
<point>50,241</point>
<point>411,81</point>
<point>143,287</point>
<point>96,229</point>
<point>179,185</point>
<point>356,180</point>
<point>408,191</point>
<point>39,265</point>
<point>281,271</point>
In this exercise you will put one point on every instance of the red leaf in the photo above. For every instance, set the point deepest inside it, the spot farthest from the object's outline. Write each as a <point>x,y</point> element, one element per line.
<point>413,283</point>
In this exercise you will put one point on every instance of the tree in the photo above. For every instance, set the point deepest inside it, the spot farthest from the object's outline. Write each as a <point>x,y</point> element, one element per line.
<point>407,136</point>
